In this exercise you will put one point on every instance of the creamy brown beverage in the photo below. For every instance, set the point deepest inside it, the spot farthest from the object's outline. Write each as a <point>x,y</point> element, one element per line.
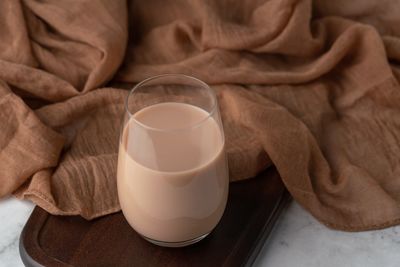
<point>172,172</point>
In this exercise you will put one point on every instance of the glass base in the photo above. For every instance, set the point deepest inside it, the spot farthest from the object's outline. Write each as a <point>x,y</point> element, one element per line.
<point>176,244</point>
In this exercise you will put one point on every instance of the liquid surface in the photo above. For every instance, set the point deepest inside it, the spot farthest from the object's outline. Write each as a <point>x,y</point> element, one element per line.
<point>172,172</point>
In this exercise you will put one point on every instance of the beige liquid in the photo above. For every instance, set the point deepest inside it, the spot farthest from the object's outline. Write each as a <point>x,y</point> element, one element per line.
<point>172,184</point>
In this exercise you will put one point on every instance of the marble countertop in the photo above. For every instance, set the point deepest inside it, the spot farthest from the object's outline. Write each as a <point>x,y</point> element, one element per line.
<point>298,240</point>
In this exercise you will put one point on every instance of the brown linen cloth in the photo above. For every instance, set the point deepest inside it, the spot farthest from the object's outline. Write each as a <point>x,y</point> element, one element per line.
<point>311,87</point>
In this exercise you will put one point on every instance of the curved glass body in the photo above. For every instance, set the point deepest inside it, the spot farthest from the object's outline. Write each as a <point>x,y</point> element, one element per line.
<point>172,169</point>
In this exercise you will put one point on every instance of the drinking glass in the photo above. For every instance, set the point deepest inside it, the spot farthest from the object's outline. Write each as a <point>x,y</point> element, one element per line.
<point>172,169</point>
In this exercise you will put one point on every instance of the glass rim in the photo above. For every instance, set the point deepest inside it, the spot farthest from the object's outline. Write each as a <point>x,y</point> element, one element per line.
<point>197,124</point>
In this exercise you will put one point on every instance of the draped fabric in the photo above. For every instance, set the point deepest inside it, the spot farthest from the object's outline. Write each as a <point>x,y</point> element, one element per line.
<point>311,87</point>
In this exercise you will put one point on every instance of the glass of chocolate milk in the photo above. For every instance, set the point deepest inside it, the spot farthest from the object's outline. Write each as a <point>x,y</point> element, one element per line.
<point>172,168</point>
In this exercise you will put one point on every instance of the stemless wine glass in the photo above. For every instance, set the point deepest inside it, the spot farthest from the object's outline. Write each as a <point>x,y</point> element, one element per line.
<point>172,168</point>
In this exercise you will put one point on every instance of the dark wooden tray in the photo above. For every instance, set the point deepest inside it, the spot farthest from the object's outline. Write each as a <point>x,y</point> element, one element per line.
<point>253,207</point>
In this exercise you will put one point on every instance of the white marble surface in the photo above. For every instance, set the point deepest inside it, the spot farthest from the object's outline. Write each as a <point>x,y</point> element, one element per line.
<point>13,215</point>
<point>298,240</point>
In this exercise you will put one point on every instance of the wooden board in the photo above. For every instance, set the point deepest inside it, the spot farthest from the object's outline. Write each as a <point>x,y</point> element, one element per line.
<point>252,209</point>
